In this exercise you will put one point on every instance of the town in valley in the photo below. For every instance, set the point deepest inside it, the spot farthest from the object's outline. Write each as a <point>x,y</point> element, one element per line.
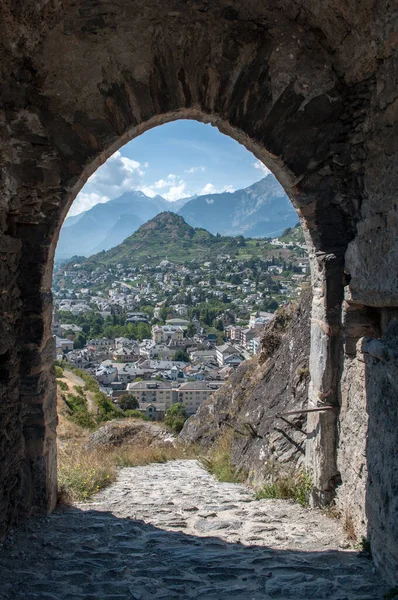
<point>170,327</point>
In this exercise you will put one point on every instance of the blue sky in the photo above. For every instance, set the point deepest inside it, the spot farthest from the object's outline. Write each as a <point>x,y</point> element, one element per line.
<point>175,160</point>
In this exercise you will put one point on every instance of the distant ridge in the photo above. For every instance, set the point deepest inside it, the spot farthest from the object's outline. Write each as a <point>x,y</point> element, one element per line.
<point>260,210</point>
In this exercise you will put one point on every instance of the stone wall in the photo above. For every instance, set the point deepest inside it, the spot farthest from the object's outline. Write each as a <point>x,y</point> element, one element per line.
<point>311,90</point>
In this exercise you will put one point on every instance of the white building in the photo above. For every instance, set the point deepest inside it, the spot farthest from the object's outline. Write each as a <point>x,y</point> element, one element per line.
<point>167,333</point>
<point>224,351</point>
<point>106,375</point>
<point>150,349</point>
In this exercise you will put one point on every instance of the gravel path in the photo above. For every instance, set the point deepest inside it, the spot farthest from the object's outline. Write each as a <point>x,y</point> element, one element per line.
<point>170,531</point>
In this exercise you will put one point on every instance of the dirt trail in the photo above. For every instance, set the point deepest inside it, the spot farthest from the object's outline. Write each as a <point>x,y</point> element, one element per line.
<point>170,531</point>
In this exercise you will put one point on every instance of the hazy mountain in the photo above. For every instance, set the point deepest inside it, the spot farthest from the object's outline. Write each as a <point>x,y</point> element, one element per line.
<point>120,231</point>
<point>102,226</point>
<point>72,220</point>
<point>261,210</point>
<point>166,236</point>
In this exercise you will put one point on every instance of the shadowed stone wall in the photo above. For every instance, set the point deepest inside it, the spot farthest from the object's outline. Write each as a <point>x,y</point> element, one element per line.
<point>310,89</point>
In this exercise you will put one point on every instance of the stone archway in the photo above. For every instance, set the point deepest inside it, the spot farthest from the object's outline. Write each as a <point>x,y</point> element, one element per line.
<point>299,86</point>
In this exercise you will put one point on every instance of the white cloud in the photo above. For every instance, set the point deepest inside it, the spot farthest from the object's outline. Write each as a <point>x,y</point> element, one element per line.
<point>118,175</point>
<point>176,192</point>
<point>211,189</point>
<point>259,165</point>
<point>195,170</point>
<point>162,183</point>
<point>85,202</point>
<point>177,188</point>
<point>132,166</point>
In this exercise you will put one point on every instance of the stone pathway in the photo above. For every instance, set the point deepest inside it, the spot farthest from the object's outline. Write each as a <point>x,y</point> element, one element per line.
<point>170,531</point>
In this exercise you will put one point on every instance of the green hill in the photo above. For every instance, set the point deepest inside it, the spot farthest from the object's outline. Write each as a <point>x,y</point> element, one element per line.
<point>167,236</point>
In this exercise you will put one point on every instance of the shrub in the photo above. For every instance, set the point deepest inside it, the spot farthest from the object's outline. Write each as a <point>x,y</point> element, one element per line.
<point>288,486</point>
<point>106,409</point>
<point>85,419</point>
<point>78,411</point>
<point>90,383</point>
<point>62,386</point>
<point>75,403</point>
<point>175,417</point>
<point>58,371</point>
<point>127,402</point>
<point>303,372</point>
<point>136,414</point>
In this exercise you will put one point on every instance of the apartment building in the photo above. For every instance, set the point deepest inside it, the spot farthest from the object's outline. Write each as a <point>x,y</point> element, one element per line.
<point>153,392</point>
<point>167,334</point>
<point>193,393</point>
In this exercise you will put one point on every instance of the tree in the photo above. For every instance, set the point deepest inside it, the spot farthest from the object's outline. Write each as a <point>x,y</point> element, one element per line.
<point>236,279</point>
<point>220,325</point>
<point>181,355</point>
<point>143,331</point>
<point>191,330</point>
<point>176,416</point>
<point>80,341</point>
<point>128,402</point>
<point>164,313</point>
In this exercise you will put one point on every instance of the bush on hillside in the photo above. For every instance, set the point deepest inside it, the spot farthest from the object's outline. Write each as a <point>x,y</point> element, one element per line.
<point>127,402</point>
<point>136,414</point>
<point>176,416</point>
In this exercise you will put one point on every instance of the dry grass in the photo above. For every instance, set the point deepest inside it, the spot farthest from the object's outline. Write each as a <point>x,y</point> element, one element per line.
<point>218,461</point>
<point>349,527</point>
<point>83,472</point>
<point>85,469</point>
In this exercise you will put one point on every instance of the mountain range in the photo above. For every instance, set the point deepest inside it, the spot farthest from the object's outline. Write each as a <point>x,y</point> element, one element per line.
<point>260,210</point>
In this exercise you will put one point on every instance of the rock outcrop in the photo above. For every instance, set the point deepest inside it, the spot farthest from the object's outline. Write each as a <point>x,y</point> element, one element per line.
<point>130,431</point>
<point>247,406</point>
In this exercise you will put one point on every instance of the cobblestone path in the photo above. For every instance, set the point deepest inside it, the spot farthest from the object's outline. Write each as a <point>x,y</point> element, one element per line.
<point>170,531</point>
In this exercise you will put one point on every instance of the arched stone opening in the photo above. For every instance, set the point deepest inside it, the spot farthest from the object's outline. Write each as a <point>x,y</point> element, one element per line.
<point>304,91</point>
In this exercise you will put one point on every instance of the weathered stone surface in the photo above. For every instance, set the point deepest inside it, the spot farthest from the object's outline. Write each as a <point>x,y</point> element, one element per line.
<point>171,531</point>
<point>276,382</point>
